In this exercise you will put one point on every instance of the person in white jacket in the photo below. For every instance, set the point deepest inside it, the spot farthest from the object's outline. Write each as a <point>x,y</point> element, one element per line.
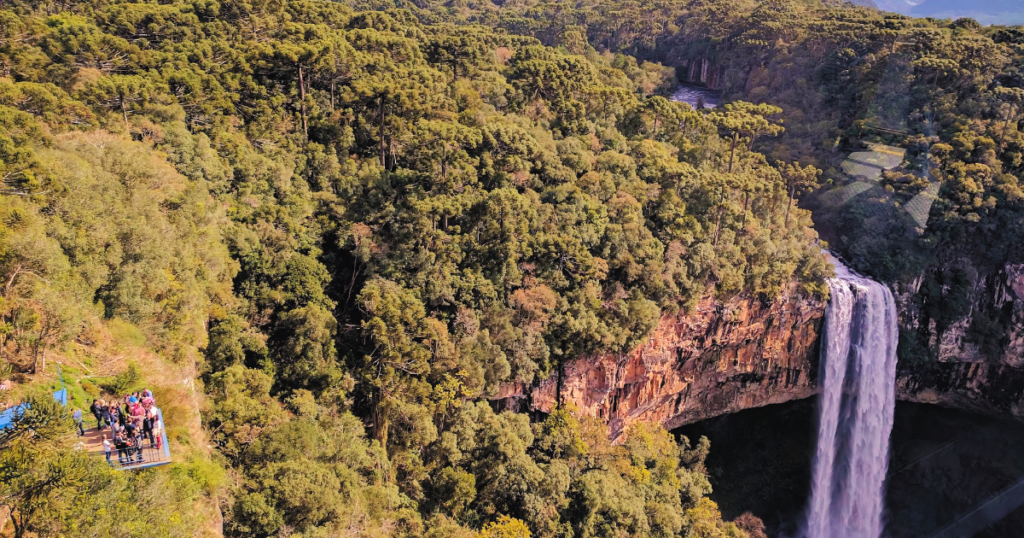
<point>158,430</point>
<point>107,447</point>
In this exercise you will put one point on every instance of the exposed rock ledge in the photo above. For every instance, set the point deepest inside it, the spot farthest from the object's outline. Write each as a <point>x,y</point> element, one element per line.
<point>728,357</point>
<point>720,359</point>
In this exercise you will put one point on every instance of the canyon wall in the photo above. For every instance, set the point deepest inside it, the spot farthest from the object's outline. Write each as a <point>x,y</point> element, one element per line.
<point>967,327</point>
<point>720,359</point>
<point>962,346</point>
<point>700,70</point>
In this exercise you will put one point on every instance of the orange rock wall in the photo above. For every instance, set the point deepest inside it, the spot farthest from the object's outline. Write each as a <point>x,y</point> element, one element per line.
<point>720,359</point>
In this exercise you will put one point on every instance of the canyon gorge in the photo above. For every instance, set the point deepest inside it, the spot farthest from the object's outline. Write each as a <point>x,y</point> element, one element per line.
<point>742,353</point>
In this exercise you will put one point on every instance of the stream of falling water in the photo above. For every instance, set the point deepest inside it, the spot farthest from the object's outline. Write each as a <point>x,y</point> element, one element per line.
<point>858,357</point>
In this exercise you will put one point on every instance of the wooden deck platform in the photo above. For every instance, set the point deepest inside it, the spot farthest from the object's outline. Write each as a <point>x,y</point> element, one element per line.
<point>92,442</point>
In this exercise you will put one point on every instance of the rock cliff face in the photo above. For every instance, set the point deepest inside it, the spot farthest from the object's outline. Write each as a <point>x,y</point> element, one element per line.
<point>969,329</point>
<point>961,340</point>
<point>720,359</point>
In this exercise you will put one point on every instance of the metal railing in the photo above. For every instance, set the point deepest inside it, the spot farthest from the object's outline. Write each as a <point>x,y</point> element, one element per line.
<point>150,456</point>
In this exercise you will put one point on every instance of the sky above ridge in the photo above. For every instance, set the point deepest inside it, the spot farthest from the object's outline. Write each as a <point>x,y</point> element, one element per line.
<point>1005,12</point>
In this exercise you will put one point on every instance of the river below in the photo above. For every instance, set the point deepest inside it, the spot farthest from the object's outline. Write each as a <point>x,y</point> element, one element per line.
<point>697,96</point>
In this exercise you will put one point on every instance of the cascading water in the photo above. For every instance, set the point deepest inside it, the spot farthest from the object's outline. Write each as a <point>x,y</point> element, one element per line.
<point>858,358</point>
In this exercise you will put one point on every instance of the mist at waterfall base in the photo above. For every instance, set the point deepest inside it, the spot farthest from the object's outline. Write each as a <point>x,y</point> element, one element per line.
<point>697,96</point>
<point>855,410</point>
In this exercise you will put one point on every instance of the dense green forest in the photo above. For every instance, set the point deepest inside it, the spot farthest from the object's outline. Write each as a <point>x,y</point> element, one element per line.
<point>359,225</point>
<point>352,223</point>
<point>950,92</point>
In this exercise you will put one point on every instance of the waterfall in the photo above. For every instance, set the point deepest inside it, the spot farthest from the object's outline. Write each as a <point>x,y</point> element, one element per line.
<point>858,362</point>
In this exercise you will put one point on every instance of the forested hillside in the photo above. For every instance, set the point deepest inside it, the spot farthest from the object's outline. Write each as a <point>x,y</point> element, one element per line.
<point>949,92</point>
<point>357,225</point>
<point>350,227</point>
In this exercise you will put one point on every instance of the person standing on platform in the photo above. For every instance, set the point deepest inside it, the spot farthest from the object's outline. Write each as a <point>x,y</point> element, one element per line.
<point>112,419</point>
<point>77,415</point>
<point>121,443</point>
<point>158,430</point>
<point>106,449</point>
<point>97,411</point>
<point>147,429</point>
<point>125,413</point>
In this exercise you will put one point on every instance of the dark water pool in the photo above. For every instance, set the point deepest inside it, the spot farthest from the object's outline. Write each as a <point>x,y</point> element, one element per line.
<point>943,463</point>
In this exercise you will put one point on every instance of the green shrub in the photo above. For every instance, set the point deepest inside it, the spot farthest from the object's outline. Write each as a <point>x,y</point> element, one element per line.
<point>989,332</point>
<point>125,381</point>
<point>208,475</point>
<point>912,352</point>
<point>125,332</point>
<point>91,389</point>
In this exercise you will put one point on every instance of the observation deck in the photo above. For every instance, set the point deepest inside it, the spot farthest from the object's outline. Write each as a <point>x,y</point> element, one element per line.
<point>152,456</point>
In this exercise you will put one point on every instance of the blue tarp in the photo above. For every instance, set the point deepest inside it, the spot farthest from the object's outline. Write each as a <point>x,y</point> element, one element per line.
<point>7,415</point>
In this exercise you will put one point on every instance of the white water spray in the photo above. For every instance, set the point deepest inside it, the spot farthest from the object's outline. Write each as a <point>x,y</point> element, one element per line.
<point>858,358</point>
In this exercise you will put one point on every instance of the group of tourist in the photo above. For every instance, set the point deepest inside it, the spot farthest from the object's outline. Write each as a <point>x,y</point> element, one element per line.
<point>132,422</point>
